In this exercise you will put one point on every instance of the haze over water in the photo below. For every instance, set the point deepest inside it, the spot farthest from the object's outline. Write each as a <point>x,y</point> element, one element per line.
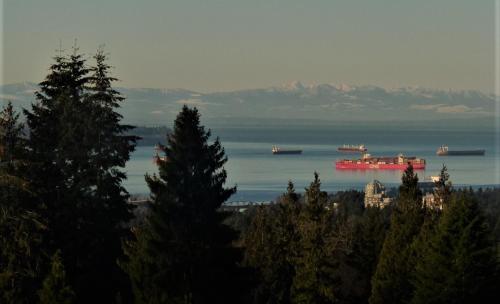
<point>260,175</point>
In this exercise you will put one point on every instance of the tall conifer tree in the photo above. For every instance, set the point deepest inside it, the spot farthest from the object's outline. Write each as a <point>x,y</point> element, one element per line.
<point>12,153</point>
<point>21,254</point>
<point>315,278</point>
<point>184,253</point>
<point>22,257</point>
<point>458,265</point>
<point>369,235</point>
<point>11,135</point>
<point>51,121</point>
<point>391,282</point>
<point>77,147</point>
<point>109,149</point>
<point>55,289</point>
<point>443,188</point>
<point>271,247</point>
<point>432,215</point>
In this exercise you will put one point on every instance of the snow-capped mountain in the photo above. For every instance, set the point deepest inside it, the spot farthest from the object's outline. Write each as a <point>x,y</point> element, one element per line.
<point>293,101</point>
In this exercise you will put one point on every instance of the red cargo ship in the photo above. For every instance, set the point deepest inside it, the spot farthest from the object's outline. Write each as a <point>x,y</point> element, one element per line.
<point>399,162</point>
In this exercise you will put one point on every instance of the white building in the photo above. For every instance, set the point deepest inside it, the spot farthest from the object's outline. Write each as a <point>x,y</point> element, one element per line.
<point>375,195</point>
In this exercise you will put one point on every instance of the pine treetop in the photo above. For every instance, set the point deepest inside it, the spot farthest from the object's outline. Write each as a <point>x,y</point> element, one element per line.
<point>11,134</point>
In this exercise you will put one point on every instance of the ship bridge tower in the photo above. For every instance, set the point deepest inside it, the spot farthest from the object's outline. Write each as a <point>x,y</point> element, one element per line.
<point>401,158</point>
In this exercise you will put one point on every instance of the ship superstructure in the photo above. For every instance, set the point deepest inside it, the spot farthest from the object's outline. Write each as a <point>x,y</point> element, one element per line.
<point>278,150</point>
<point>445,151</point>
<point>352,148</point>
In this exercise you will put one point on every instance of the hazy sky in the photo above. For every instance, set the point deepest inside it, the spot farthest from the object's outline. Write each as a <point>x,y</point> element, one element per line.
<point>211,45</point>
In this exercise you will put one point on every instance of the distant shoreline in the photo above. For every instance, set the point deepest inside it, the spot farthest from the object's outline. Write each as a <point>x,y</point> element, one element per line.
<point>272,195</point>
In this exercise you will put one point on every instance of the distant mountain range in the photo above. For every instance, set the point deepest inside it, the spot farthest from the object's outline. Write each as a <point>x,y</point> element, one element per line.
<point>291,103</point>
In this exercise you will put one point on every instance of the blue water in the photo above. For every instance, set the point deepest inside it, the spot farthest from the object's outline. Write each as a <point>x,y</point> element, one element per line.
<point>260,175</point>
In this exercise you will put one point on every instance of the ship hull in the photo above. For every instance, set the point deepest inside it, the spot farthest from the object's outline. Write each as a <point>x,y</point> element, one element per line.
<point>461,153</point>
<point>363,166</point>
<point>351,150</point>
<point>288,152</point>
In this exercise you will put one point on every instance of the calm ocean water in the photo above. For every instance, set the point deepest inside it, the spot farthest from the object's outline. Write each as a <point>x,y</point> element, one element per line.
<point>259,175</point>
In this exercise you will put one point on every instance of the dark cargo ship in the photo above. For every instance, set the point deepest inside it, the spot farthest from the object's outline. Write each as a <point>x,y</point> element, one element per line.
<point>277,150</point>
<point>352,148</point>
<point>444,151</point>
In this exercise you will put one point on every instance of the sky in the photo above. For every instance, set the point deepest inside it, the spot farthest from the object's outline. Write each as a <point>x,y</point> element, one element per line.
<point>225,45</point>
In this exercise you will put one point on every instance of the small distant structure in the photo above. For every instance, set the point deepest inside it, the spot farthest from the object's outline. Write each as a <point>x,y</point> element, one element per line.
<point>434,178</point>
<point>429,199</point>
<point>375,195</point>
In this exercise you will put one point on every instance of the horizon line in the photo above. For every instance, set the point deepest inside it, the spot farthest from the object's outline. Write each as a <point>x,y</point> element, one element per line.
<point>283,85</point>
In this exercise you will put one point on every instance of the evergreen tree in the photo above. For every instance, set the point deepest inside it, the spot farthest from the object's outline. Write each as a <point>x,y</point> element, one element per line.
<point>315,277</point>
<point>109,149</point>
<point>443,188</point>
<point>391,282</point>
<point>184,253</point>
<point>286,234</point>
<point>271,244</point>
<point>12,152</point>
<point>77,147</point>
<point>432,214</point>
<point>11,134</point>
<point>259,253</point>
<point>458,265</point>
<point>52,119</point>
<point>22,258</point>
<point>55,289</point>
<point>369,235</point>
<point>409,193</point>
<point>21,229</point>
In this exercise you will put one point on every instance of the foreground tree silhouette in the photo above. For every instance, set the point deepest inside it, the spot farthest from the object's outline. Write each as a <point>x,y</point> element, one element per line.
<point>12,154</point>
<point>22,259</point>
<point>271,245</point>
<point>77,148</point>
<point>458,263</point>
<point>11,135</point>
<point>432,215</point>
<point>109,149</point>
<point>315,267</point>
<point>443,188</point>
<point>21,256</point>
<point>391,282</point>
<point>54,289</point>
<point>369,233</point>
<point>184,253</point>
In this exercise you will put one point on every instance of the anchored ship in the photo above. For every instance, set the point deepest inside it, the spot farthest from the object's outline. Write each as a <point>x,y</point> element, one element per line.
<point>278,150</point>
<point>352,148</point>
<point>444,151</point>
<point>399,162</point>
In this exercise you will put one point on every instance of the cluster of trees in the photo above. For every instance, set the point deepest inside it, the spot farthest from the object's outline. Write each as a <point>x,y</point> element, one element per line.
<point>62,203</point>
<point>65,234</point>
<point>406,253</point>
